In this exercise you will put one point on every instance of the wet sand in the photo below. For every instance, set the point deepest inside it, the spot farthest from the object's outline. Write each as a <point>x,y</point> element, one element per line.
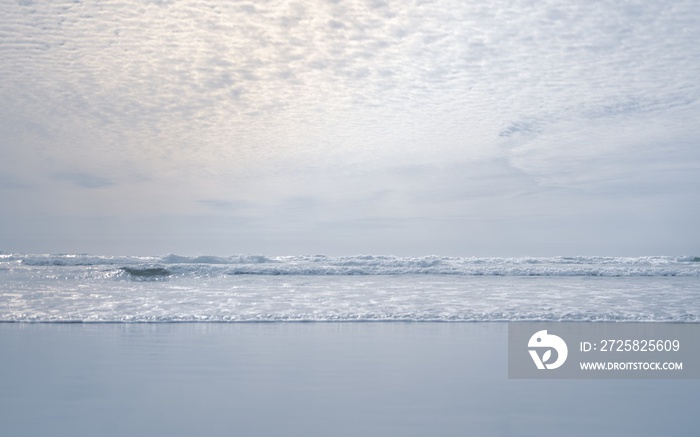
<point>308,379</point>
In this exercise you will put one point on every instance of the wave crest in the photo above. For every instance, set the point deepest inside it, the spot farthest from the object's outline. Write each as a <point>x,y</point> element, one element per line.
<point>210,265</point>
<point>146,272</point>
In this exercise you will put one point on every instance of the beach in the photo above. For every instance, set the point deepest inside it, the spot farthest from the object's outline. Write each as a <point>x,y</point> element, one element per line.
<point>308,379</point>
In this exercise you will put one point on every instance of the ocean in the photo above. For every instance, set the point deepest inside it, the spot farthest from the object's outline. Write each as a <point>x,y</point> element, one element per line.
<point>256,345</point>
<point>87,288</point>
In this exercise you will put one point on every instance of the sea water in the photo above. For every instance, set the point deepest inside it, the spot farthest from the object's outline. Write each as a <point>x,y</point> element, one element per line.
<point>365,345</point>
<point>84,288</point>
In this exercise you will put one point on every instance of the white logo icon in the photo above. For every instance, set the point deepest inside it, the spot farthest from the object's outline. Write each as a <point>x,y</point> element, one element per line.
<point>542,340</point>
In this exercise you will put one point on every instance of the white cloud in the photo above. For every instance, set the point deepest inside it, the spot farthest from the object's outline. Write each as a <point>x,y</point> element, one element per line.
<point>184,105</point>
<point>83,180</point>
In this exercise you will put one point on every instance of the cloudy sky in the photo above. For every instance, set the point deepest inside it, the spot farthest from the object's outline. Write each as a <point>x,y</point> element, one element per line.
<point>350,126</point>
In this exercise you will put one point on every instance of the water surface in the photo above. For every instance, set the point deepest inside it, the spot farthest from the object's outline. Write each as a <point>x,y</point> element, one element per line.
<point>308,379</point>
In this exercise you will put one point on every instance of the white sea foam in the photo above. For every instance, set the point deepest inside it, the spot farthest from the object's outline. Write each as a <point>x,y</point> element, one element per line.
<point>380,265</point>
<point>86,288</point>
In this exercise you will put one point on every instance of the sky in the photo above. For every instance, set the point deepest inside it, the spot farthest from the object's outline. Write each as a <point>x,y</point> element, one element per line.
<point>464,128</point>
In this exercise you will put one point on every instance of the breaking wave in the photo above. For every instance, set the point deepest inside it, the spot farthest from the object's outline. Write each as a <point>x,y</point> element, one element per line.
<point>146,272</point>
<point>209,265</point>
<point>257,288</point>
